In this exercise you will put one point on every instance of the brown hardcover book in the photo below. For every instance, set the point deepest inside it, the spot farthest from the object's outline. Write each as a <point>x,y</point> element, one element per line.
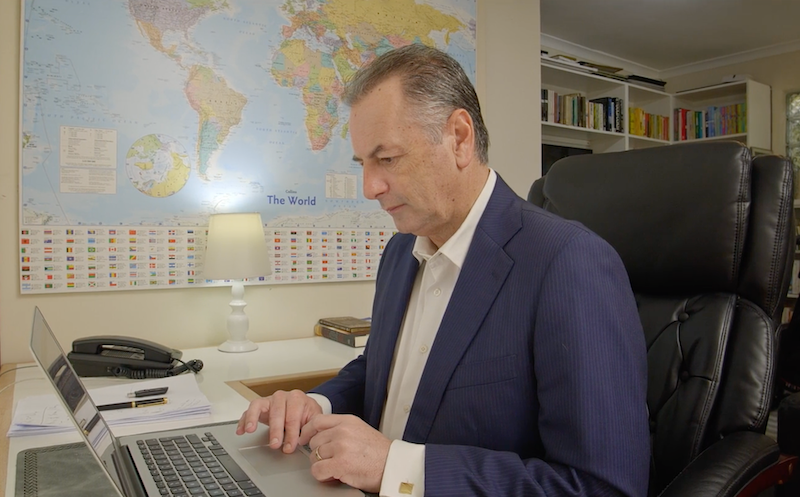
<point>351,339</point>
<point>347,324</point>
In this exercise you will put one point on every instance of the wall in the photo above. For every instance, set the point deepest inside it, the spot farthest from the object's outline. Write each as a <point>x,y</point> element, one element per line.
<point>508,85</point>
<point>781,72</point>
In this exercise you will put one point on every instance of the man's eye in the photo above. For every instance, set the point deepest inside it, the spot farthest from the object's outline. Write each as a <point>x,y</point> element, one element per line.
<point>386,160</point>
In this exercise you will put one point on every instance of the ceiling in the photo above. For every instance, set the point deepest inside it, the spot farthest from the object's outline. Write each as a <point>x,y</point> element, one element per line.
<point>667,35</point>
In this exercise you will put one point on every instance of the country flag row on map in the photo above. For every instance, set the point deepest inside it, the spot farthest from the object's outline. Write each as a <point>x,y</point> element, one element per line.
<point>99,258</point>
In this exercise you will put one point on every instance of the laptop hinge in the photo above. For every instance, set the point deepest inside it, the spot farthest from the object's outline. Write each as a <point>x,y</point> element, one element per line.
<point>127,474</point>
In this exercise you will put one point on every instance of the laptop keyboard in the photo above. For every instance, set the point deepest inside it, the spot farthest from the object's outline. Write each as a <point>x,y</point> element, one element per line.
<point>190,465</point>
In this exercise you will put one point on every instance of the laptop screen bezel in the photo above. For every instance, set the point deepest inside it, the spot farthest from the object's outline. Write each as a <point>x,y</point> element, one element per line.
<point>41,329</point>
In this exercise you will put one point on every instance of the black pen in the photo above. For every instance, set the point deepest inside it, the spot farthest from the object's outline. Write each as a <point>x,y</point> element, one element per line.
<point>148,392</point>
<point>91,424</point>
<point>133,404</point>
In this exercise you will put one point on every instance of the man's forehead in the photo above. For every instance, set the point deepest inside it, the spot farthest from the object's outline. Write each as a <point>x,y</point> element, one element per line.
<point>374,128</point>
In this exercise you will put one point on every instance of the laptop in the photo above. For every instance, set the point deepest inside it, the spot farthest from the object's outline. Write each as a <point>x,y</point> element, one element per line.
<point>199,461</point>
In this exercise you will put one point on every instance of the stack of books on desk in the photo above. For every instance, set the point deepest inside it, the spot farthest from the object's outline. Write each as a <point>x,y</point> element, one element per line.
<point>348,330</point>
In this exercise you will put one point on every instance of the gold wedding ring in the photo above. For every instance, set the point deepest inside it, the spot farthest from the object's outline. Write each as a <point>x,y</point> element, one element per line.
<point>316,453</point>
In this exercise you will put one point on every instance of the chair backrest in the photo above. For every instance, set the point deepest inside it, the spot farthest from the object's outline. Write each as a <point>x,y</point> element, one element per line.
<point>706,233</point>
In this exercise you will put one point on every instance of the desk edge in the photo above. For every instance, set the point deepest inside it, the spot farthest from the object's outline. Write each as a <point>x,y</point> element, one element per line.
<point>7,401</point>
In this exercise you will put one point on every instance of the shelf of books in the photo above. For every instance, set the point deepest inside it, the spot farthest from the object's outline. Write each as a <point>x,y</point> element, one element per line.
<point>739,110</point>
<point>580,108</point>
<point>648,117</point>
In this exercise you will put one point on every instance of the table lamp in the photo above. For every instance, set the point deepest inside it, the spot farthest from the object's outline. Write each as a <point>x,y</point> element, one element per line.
<point>236,249</point>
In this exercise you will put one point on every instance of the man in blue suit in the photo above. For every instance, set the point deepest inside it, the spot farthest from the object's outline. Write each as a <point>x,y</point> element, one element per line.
<point>506,355</point>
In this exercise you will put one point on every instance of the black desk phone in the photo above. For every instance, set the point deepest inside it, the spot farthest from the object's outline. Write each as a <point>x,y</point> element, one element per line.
<point>127,357</point>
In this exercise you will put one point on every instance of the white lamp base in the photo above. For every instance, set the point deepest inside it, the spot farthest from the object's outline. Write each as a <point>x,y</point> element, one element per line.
<point>238,323</point>
<point>238,346</point>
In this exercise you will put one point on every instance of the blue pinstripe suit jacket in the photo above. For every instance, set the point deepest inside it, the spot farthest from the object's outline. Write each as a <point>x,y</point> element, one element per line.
<point>536,382</point>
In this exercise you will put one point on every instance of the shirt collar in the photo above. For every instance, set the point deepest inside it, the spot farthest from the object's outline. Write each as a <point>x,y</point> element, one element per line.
<point>457,246</point>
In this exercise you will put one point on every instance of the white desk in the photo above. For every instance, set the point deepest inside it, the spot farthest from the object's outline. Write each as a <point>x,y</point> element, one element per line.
<point>288,357</point>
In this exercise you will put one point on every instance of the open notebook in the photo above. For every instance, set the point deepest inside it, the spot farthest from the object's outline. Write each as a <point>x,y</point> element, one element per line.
<point>204,461</point>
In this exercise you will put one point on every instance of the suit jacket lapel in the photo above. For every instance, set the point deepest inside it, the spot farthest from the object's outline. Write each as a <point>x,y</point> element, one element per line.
<point>483,274</point>
<point>393,300</point>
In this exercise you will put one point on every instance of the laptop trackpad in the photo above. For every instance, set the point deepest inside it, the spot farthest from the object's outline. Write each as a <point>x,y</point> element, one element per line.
<point>273,461</point>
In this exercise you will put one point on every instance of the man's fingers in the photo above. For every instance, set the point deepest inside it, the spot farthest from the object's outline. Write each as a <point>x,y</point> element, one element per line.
<point>296,414</point>
<point>346,448</point>
<point>291,429</point>
<point>321,422</point>
<point>328,421</point>
<point>323,470</point>
<point>241,424</point>
<point>250,418</point>
<point>309,430</point>
<point>277,413</point>
<point>300,409</point>
<point>284,412</point>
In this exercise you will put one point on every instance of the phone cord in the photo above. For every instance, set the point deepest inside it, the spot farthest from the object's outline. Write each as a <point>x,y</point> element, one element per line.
<point>195,365</point>
<point>140,374</point>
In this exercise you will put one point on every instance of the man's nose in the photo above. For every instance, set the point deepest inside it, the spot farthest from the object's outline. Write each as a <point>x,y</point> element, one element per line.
<point>374,184</point>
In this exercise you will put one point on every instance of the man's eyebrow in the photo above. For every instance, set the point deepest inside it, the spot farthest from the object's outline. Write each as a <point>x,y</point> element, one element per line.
<point>374,152</point>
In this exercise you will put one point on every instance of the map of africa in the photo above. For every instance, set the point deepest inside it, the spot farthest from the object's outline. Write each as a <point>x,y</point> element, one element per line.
<point>162,112</point>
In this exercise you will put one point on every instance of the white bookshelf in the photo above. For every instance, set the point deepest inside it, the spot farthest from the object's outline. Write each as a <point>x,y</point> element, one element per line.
<point>566,80</point>
<point>757,98</point>
<point>653,102</point>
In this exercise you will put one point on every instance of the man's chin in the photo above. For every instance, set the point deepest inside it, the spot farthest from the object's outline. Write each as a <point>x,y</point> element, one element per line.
<point>401,227</point>
<point>405,225</point>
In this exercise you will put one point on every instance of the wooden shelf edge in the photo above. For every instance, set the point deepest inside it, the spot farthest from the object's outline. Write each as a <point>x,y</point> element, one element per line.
<point>648,139</point>
<point>733,136</point>
<point>263,387</point>
<point>579,129</point>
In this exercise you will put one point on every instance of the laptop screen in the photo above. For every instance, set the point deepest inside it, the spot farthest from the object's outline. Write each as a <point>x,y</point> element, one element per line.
<point>71,391</point>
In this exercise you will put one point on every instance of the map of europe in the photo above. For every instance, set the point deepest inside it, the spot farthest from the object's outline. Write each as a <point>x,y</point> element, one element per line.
<point>162,112</point>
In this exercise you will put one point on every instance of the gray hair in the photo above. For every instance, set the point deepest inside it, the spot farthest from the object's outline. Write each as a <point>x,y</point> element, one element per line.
<point>433,83</point>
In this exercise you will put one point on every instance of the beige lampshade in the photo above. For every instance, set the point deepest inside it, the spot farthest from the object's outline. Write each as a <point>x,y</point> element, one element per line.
<point>236,247</point>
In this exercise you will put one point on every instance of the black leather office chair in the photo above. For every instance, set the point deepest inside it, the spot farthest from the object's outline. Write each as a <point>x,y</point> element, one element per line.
<point>706,233</point>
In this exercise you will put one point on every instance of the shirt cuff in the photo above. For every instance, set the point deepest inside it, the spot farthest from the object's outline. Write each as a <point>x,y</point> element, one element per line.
<point>404,473</point>
<point>323,402</point>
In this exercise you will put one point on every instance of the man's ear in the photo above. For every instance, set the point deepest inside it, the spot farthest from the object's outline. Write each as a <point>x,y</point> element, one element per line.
<point>460,123</point>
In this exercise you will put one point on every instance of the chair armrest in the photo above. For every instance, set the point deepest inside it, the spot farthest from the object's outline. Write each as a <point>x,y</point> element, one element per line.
<point>789,424</point>
<point>726,467</point>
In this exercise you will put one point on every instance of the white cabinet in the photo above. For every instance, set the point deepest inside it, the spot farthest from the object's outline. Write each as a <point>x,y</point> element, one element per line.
<point>749,97</point>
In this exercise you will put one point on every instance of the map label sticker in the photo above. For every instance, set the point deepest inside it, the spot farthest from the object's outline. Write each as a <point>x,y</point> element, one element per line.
<point>88,180</point>
<point>88,147</point>
<point>341,186</point>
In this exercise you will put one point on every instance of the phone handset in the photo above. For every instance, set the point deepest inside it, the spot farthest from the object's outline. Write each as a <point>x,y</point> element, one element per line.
<point>128,357</point>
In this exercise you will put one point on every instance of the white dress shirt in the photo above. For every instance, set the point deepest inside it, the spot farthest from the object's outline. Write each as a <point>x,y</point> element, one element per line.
<point>430,295</point>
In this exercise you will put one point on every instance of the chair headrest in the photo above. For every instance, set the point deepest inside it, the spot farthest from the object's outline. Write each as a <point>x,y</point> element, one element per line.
<point>675,214</point>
